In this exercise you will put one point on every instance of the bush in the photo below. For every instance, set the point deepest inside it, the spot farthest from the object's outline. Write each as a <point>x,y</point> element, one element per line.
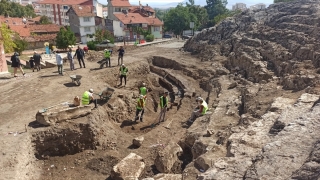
<point>21,45</point>
<point>150,38</point>
<point>92,45</point>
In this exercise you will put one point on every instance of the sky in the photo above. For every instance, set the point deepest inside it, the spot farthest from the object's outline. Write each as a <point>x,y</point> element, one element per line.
<point>201,2</point>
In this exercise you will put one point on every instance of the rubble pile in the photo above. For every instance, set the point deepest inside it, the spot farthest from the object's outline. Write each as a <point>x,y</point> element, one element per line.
<point>281,41</point>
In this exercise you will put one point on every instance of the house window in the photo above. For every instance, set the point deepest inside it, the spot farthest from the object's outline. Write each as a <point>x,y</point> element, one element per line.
<point>127,34</point>
<point>48,6</point>
<point>117,9</point>
<point>156,28</point>
<point>66,20</point>
<point>144,25</point>
<point>86,19</point>
<point>65,7</point>
<point>86,29</point>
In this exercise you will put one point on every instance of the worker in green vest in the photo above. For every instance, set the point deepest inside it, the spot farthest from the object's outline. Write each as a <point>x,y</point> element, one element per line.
<point>140,108</point>
<point>123,74</point>
<point>87,98</point>
<point>107,55</point>
<point>164,100</point>
<point>143,90</point>
<point>202,110</point>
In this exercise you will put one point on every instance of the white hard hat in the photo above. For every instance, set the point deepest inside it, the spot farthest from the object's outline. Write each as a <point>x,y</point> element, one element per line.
<point>141,96</point>
<point>143,84</point>
<point>105,50</point>
<point>122,65</point>
<point>91,90</point>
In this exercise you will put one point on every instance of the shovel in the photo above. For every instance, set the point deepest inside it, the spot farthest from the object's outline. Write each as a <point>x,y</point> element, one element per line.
<point>167,127</point>
<point>46,109</point>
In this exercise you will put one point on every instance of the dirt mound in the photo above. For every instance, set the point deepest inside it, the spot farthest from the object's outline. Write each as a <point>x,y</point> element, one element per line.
<point>281,41</point>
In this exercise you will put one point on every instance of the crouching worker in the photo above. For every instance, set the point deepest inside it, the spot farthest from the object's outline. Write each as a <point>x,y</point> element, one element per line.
<point>87,98</point>
<point>202,109</point>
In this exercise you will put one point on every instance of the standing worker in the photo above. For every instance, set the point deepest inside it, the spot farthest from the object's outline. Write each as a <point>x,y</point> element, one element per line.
<point>143,90</point>
<point>107,55</point>
<point>123,74</point>
<point>87,98</point>
<point>59,63</point>
<point>15,63</point>
<point>140,108</point>
<point>121,53</point>
<point>203,107</point>
<point>163,105</point>
<point>37,59</point>
<point>80,55</point>
<point>71,61</point>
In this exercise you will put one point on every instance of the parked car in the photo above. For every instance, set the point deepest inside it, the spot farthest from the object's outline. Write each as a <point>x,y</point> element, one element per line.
<point>167,36</point>
<point>186,37</point>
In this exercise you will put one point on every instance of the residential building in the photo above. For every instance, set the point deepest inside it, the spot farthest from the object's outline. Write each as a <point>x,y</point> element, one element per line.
<point>97,7</point>
<point>239,6</point>
<point>258,6</point>
<point>82,21</point>
<point>3,62</point>
<point>105,12</point>
<point>125,17</point>
<point>56,10</point>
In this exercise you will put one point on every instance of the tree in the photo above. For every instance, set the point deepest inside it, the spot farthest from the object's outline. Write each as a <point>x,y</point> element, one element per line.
<point>221,17</point>
<point>65,37</point>
<point>21,45</point>
<point>44,20</point>
<point>13,9</point>
<point>7,39</point>
<point>160,13</point>
<point>278,1</point>
<point>200,12</point>
<point>178,19</point>
<point>102,35</point>
<point>216,7</point>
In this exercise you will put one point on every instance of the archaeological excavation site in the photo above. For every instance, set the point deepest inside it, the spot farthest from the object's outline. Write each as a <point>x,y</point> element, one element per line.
<point>258,72</point>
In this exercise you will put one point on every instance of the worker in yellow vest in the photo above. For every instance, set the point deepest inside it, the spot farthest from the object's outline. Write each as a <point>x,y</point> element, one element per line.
<point>123,74</point>
<point>164,100</point>
<point>87,98</point>
<point>202,110</point>
<point>143,90</point>
<point>140,108</point>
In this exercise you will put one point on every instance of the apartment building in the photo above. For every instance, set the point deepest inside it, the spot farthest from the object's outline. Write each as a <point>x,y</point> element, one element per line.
<point>239,6</point>
<point>258,6</point>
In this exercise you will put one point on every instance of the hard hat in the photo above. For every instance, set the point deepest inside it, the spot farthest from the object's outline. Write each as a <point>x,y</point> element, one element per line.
<point>91,90</point>
<point>141,96</point>
<point>105,50</point>
<point>143,84</point>
<point>122,65</point>
<point>199,98</point>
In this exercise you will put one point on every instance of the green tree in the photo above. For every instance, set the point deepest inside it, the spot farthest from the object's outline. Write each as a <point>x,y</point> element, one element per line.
<point>21,45</point>
<point>178,19</point>
<point>200,12</point>
<point>141,31</point>
<point>160,13</point>
<point>277,1</point>
<point>102,35</point>
<point>13,9</point>
<point>65,37</point>
<point>221,17</point>
<point>7,39</point>
<point>216,7</point>
<point>44,20</point>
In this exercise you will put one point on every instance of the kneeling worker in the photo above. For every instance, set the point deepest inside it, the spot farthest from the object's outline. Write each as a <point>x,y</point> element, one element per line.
<point>87,98</point>
<point>140,108</point>
<point>203,107</point>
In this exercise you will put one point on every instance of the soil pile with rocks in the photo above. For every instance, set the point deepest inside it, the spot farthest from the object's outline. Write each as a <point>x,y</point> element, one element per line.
<point>281,41</point>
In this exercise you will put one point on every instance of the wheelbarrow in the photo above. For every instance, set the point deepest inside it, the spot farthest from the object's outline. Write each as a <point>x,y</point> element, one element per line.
<point>76,79</point>
<point>106,94</point>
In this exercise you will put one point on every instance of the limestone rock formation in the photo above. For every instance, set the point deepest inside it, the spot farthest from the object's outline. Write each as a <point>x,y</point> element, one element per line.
<point>282,40</point>
<point>130,167</point>
<point>138,141</point>
<point>167,157</point>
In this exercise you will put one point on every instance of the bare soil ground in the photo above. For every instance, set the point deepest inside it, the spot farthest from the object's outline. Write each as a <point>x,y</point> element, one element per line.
<point>73,152</point>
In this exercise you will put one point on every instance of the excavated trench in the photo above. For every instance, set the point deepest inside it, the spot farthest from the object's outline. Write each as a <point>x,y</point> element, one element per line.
<point>63,141</point>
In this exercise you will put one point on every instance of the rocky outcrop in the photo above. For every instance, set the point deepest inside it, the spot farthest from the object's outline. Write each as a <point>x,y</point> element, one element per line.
<point>138,141</point>
<point>281,40</point>
<point>167,157</point>
<point>130,167</point>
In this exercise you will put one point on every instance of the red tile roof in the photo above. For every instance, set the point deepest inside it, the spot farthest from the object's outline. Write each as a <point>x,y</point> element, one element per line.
<point>41,38</point>
<point>131,18</point>
<point>62,2</point>
<point>120,3</point>
<point>11,20</point>
<point>154,21</point>
<point>82,11</point>
<point>36,18</point>
<point>22,30</point>
<point>50,28</point>
<point>137,8</point>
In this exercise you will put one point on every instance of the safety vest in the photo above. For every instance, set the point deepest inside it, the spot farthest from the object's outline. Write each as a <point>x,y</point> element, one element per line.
<point>107,54</point>
<point>123,71</point>
<point>85,98</point>
<point>140,103</point>
<point>143,91</point>
<point>161,101</point>
<point>205,107</point>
